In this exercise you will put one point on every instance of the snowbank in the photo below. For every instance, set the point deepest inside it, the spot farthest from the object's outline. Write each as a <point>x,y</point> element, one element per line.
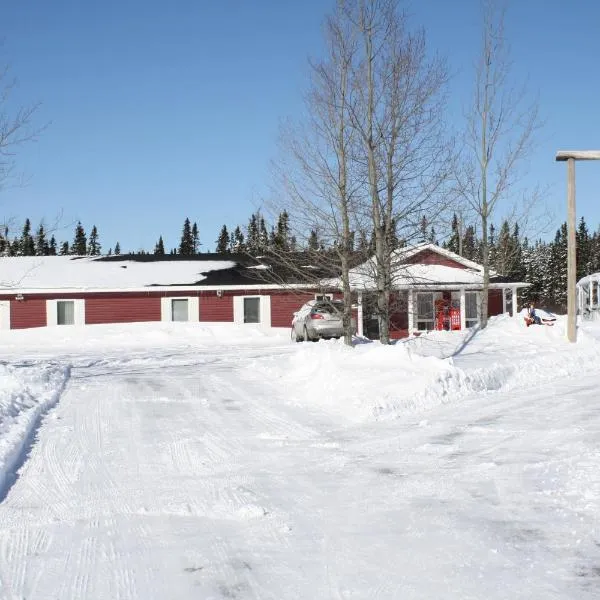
<point>27,392</point>
<point>374,381</point>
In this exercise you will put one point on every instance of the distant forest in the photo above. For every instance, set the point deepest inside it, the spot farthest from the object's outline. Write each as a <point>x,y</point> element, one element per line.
<point>540,263</point>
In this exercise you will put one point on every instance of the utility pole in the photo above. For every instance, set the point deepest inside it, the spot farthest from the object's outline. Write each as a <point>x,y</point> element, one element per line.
<point>570,157</point>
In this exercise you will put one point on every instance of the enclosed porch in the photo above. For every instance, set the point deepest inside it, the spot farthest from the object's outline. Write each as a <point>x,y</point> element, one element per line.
<point>418,310</point>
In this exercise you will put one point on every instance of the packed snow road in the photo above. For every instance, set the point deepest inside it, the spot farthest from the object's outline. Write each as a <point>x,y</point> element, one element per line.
<point>198,473</point>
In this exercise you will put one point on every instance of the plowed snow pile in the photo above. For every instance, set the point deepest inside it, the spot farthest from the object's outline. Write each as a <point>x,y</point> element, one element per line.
<point>26,392</point>
<point>417,374</point>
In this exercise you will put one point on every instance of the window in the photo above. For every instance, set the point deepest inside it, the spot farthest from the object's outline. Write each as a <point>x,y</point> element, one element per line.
<point>179,309</point>
<point>65,312</point>
<point>323,296</point>
<point>251,310</point>
<point>425,320</point>
<point>471,311</point>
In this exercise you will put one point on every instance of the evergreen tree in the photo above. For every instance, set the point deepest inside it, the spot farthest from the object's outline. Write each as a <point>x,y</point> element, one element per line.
<point>41,245</point>
<point>281,235</point>
<point>253,235</point>
<point>238,241</point>
<point>517,272</point>
<point>313,241</point>
<point>470,244</point>
<point>52,246</point>
<point>195,239</point>
<point>364,244</point>
<point>557,292</point>
<point>423,230</point>
<point>64,249</point>
<point>584,248</point>
<point>94,246</point>
<point>79,246</point>
<point>453,243</point>
<point>502,253</point>
<point>186,246</point>
<point>117,249</point>
<point>432,236</point>
<point>4,243</point>
<point>27,245</point>
<point>263,235</point>
<point>223,241</point>
<point>159,248</point>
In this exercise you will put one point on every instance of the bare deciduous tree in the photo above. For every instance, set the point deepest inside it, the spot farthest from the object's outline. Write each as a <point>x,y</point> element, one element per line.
<point>499,132</point>
<point>316,169</point>
<point>16,126</point>
<point>399,119</point>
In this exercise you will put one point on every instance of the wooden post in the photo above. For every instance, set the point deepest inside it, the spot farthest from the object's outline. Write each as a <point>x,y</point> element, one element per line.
<point>360,325</point>
<point>571,253</point>
<point>571,156</point>
<point>411,312</point>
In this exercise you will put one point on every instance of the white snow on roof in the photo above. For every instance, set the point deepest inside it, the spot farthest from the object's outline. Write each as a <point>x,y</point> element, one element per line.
<point>68,272</point>
<point>417,274</point>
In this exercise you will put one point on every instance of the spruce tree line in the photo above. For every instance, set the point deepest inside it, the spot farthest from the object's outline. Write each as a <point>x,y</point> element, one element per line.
<point>38,244</point>
<point>540,263</point>
<point>543,264</point>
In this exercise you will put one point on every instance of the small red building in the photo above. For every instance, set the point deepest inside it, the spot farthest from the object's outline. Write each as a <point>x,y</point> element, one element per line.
<point>433,289</point>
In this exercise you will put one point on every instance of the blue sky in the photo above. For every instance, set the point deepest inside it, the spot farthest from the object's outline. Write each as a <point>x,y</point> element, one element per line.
<point>158,111</point>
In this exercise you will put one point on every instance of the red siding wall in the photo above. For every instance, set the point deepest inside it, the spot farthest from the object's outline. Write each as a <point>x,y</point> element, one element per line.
<point>114,308</point>
<point>429,257</point>
<point>215,308</point>
<point>284,305</point>
<point>30,312</point>
<point>494,303</point>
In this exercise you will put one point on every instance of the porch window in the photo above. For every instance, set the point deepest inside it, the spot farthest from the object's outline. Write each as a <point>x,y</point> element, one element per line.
<point>425,320</point>
<point>471,318</point>
<point>179,309</point>
<point>65,312</point>
<point>252,310</point>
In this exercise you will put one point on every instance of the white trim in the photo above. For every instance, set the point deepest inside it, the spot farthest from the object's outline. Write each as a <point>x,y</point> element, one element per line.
<point>503,302</point>
<point>237,288</point>
<point>515,308</point>
<point>463,309</point>
<point>4,314</point>
<point>197,289</point>
<point>264,311</point>
<point>166,308</point>
<point>52,312</point>
<point>322,296</point>
<point>359,316</point>
<point>411,312</point>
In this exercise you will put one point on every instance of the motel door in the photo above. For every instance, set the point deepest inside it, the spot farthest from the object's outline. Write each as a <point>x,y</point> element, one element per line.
<point>4,314</point>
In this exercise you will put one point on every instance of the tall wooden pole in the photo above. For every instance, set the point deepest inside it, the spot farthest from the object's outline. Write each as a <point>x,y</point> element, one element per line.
<point>571,253</point>
<point>571,156</point>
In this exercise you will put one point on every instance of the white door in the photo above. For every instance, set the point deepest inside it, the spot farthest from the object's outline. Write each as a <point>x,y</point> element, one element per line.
<point>4,314</point>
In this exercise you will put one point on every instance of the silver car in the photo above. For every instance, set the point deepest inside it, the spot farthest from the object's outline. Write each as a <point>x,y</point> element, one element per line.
<point>319,319</point>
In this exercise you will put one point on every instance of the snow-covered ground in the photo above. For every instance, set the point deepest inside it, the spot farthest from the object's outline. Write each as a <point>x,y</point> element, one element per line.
<point>179,461</point>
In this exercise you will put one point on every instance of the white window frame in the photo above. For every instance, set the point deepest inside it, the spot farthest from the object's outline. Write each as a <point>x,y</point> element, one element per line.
<point>418,319</point>
<point>4,314</point>
<point>323,296</point>
<point>52,311</point>
<point>472,321</point>
<point>264,311</point>
<point>166,308</point>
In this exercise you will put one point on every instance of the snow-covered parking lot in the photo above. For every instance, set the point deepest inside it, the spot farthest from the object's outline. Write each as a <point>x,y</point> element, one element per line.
<point>175,461</point>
